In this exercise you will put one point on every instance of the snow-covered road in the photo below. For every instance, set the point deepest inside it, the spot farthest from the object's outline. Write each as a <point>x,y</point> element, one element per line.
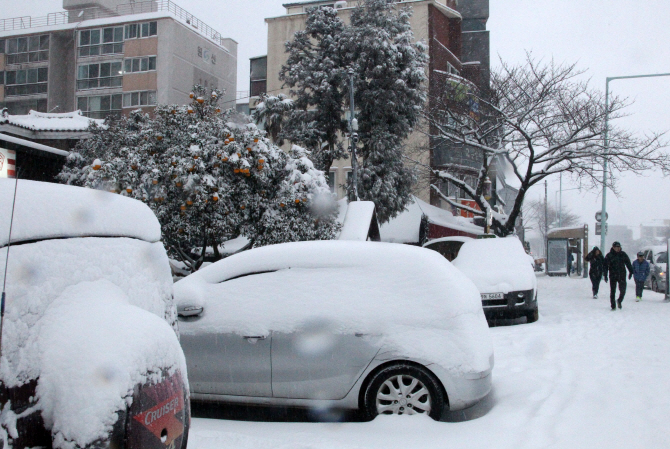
<point>581,377</point>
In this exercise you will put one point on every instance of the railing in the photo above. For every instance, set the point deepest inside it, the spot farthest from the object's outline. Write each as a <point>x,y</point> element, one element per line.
<point>65,17</point>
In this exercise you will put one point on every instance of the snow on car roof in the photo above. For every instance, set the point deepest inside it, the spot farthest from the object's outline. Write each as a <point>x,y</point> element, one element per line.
<point>496,265</point>
<point>46,210</point>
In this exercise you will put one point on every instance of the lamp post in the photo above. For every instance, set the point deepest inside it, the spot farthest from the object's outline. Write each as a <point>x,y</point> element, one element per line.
<point>603,227</point>
<point>353,128</point>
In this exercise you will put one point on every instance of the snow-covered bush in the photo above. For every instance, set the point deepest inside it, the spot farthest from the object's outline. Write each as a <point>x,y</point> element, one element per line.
<point>207,178</point>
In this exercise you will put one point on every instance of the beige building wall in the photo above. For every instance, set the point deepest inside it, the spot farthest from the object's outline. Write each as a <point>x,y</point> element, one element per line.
<point>185,58</point>
<point>283,28</point>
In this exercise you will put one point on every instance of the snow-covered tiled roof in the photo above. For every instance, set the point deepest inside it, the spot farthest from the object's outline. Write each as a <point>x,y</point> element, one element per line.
<point>43,121</point>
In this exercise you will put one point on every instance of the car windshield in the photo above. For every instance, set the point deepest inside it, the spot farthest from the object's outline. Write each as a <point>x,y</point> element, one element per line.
<point>662,258</point>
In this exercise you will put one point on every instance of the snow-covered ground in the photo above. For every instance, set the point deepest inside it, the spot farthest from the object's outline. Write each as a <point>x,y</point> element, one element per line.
<point>581,377</point>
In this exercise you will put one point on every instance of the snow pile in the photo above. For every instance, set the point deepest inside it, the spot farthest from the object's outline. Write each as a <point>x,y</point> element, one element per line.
<point>94,347</point>
<point>497,265</point>
<point>45,210</point>
<point>425,307</point>
<point>357,221</point>
<point>43,121</point>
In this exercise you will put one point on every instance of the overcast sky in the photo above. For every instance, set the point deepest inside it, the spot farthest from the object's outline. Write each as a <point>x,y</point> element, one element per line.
<point>607,37</point>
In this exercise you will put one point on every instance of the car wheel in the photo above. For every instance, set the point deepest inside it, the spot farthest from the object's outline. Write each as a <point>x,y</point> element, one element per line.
<point>403,390</point>
<point>532,316</point>
<point>654,285</point>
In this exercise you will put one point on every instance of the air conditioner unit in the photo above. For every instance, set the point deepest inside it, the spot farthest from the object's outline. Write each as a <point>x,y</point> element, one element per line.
<point>341,4</point>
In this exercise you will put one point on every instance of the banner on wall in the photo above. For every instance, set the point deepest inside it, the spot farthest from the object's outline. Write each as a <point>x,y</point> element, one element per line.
<point>7,163</point>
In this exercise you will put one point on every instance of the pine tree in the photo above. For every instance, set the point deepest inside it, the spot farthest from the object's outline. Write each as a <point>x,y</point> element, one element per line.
<point>389,97</point>
<point>207,179</point>
<point>389,67</point>
<point>316,73</point>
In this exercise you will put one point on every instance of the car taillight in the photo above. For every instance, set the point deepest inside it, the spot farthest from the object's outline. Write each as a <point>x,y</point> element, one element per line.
<point>159,415</point>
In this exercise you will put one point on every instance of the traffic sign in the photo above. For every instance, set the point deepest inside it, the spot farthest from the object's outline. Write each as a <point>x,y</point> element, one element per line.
<point>599,215</point>
<point>599,227</point>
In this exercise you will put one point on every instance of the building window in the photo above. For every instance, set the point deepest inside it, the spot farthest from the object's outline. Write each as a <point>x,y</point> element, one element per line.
<point>99,75</point>
<point>26,82</point>
<point>136,30</point>
<point>27,49</point>
<point>2,78</point>
<point>143,98</point>
<point>331,181</point>
<point>2,46</point>
<point>100,106</point>
<point>102,41</point>
<point>144,64</point>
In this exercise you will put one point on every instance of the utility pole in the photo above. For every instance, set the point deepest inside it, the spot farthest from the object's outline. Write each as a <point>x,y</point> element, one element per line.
<point>560,199</point>
<point>603,219</point>
<point>546,228</point>
<point>353,128</point>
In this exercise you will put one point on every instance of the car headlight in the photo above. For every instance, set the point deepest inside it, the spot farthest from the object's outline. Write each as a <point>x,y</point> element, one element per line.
<point>662,273</point>
<point>520,295</point>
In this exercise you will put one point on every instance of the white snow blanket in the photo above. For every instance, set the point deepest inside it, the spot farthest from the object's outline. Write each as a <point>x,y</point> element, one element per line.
<point>581,377</point>
<point>94,347</point>
<point>45,210</point>
<point>498,265</point>
<point>414,296</point>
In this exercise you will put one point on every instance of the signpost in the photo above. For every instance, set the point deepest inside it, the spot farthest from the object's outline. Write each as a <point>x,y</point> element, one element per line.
<point>599,216</point>
<point>7,163</point>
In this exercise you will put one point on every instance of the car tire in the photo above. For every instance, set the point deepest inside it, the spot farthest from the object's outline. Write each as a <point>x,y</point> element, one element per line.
<point>421,390</point>
<point>654,285</point>
<point>532,316</point>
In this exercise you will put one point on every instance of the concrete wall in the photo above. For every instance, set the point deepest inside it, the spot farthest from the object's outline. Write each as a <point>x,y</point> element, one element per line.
<point>62,71</point>
<point>185,59</point>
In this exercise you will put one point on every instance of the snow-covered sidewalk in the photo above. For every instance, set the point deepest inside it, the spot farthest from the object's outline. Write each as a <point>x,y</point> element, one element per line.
<point>581,377</point>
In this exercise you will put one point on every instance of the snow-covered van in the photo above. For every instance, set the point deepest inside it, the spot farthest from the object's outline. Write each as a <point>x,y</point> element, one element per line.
<point>501,270</point>
<point>90,355</point>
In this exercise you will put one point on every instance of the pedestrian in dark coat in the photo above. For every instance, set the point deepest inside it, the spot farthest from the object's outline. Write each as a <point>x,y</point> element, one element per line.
<point>640,274</point>
<point>616,263</point>
<point>596,268</point>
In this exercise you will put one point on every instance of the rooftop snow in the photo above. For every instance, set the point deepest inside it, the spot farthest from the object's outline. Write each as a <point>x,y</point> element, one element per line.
<point>43,121</point>
<point>45,210</point>
<point>405,227</point>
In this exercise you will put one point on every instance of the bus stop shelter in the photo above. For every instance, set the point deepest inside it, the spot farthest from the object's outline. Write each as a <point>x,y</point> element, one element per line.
<point>562,242</point>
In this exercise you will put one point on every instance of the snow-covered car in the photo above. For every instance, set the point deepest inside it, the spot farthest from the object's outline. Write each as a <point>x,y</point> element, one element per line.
<point>379,327</point>
<point>501,270</point>
<point>90,351</point>
<point>447,246</point>
<point>657,256</point>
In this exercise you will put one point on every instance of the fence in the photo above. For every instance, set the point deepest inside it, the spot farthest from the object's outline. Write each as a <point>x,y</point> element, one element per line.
<point>64,17</point>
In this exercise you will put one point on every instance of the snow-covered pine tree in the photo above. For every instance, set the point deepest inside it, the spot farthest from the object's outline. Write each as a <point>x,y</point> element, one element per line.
<point>389,96</point>
<point>207,179</point>
<point>316,74</point>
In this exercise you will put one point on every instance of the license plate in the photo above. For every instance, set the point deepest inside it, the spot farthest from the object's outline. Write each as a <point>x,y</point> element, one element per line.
<point>492,296</point>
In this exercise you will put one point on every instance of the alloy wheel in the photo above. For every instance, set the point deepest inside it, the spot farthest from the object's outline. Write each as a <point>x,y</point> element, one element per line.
<point>403,395</point>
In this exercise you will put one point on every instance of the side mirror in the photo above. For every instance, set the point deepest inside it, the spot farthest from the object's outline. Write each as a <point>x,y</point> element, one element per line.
<point>189,311</point>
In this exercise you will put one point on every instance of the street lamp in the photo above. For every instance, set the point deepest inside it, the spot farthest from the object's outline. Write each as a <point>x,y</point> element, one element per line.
<point>353,132</point>
<point>603,227</point>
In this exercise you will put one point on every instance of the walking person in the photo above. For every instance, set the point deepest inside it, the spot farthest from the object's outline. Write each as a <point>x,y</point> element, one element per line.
<point>616,263</point>
<point>596,268</point>
<point>640,273</point>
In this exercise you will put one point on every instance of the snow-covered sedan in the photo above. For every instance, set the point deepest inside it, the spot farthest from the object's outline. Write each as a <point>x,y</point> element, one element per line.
<point>384,328</point>
<point>501,270</point>
<point>90,353</point>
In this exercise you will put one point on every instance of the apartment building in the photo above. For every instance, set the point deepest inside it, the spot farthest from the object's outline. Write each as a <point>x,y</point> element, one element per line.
<point>458,49</point>
<point>108,57</point>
